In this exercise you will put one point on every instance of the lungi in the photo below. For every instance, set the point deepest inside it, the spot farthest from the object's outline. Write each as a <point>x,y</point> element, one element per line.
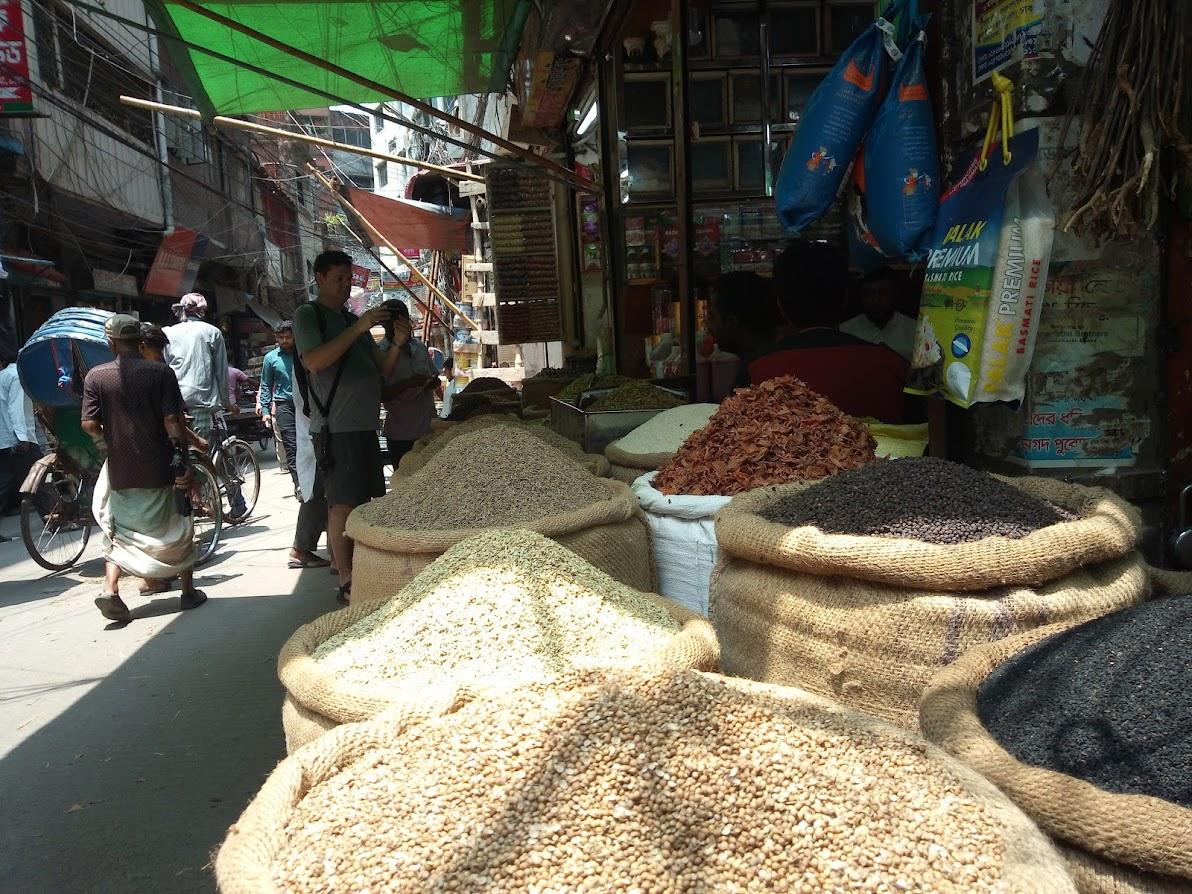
<point>142,530</point>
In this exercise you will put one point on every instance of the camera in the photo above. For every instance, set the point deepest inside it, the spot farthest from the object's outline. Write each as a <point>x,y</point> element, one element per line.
<point>392,305</point>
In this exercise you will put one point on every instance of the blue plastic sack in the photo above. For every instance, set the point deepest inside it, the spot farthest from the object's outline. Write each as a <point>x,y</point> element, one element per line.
<point>902,178</point>
<point>834,123</point>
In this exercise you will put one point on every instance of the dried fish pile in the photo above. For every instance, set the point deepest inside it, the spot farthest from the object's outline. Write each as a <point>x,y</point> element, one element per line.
<point>495,611</point>
<point>479,481</point>
<point>622,781</point>
<point>921,498</point>
<point>777,432</point>
<point>636,396</point>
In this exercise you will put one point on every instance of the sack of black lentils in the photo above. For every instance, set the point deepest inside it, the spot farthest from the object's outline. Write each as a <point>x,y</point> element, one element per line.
<point>861,586</point>
<point>1086,729</point>
<point>496,611</point>
<point>628,781</point>
<point>480,481</point>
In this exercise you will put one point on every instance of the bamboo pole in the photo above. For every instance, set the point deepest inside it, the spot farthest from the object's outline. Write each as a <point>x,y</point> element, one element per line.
<point>429,309</point>
<point>253,127</point>
<point>387,90</point>
<point>376,236</point>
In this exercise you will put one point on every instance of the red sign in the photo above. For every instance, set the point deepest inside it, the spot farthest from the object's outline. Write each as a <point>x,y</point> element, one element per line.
<point>360,276</point>
<point>16,96</point>
<point>177,263</point>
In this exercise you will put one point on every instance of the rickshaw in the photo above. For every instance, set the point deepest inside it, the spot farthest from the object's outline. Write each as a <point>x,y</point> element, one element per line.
<point>56,518</point>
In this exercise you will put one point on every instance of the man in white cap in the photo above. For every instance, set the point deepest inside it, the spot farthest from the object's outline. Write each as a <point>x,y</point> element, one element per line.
<point>132,409</point>
<point>199,358</point>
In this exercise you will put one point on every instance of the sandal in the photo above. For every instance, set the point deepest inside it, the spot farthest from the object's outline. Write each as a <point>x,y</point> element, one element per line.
<point>342,594</point>
<point>311,561</point>
<point>112,607</point>
<point>155,587</point>
<point>193,599</point>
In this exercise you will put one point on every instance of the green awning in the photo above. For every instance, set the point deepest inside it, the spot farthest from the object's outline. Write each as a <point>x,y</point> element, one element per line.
<point>424,49</point>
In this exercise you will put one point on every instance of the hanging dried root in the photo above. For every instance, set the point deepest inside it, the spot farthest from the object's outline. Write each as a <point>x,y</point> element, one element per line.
<point>1129,112</point>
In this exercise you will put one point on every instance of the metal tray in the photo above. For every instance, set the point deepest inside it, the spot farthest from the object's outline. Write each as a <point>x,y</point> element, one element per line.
<point>595,431</point>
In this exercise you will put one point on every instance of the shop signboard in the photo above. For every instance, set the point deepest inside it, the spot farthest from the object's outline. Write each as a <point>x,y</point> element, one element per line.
<point>1004,31</point>
<point>16,94</point>
<point>551,85</point>
<point>114,283</point>
<point>1089,432</point>
<point>177,263</point>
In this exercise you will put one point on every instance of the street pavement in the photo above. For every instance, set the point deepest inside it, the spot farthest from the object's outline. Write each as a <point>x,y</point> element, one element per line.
<point>127,751</point>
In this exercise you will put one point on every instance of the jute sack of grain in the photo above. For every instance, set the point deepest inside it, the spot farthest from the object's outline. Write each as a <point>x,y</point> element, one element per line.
<point>618,781</point>
<point>1106,527</point>
<point>611,534</point>
<point>318,699</point>
<point>1113,843</point>
<point>869,620</point>
<point>683,534</point>
<point>624,473</point>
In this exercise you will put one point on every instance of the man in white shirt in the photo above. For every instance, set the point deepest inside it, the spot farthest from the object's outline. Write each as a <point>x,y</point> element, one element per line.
<point>199,357</point>
<point>18,436</point>
<point>881,323</point>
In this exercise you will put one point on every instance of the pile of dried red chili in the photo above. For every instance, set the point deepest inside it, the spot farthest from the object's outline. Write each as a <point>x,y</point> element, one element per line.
<point>773,433</point>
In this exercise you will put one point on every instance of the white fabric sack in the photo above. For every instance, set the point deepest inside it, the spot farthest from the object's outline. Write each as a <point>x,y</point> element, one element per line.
<point>306,447</point>
<point>683,532</point>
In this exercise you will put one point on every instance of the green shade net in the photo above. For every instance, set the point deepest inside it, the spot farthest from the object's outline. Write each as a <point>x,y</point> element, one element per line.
<point>423,49</point>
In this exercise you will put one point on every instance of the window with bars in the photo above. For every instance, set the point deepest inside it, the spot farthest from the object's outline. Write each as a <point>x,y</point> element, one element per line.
<point>95,75</point>
<point>185,136</point>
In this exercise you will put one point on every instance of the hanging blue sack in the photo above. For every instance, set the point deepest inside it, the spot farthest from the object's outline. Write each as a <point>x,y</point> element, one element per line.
<point>902,178</point>
<point>834,123</point>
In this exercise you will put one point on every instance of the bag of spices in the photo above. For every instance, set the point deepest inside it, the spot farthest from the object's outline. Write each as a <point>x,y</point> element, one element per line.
<point>1085,728</point>
<point>985,279</point>
<point>860,587</point>
<point>832,126</point>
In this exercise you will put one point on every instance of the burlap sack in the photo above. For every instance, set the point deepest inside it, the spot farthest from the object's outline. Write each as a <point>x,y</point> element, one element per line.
<point>244,864</point>
<point>624,473</point>
<point>611,534</point>
<point>1166,582</point>
<point>647,462</point>
<point>1147,836</point>
<point>876,647</point>
<point>317,700</point>
<point>1106,528</point>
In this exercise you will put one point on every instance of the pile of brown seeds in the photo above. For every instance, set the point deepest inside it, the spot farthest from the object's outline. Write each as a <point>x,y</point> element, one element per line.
<point>926,499</point>
<point>623,781</point>
<point>548,436</point>
<point>482,481</point>
<point>497,610</point>
<point>636,396</point>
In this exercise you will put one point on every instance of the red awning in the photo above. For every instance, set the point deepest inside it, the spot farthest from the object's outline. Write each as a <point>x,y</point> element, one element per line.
<point>410,224</point>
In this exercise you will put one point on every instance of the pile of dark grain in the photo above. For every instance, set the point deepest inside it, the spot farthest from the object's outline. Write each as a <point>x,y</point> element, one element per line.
<point>478,481</point>
<point>1109,702</point>
<point>925,499</point>
<point>636,396</point>
<point>490,385</point>
<point>551,372</point>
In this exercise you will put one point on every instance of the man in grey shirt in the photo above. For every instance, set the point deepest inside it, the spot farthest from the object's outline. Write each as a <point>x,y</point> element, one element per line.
<point>334,344</point>
<point>199,357</point>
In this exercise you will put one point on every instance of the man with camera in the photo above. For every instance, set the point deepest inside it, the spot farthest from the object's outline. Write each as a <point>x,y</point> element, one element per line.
<point>344,369</point>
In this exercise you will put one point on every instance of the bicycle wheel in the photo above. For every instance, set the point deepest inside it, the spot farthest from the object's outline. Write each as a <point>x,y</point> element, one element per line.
<point>206,511</point>
<point>240,479</point>
<point>55,525</point>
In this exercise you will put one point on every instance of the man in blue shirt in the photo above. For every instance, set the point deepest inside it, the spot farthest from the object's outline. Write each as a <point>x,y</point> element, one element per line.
<point>275,400</point>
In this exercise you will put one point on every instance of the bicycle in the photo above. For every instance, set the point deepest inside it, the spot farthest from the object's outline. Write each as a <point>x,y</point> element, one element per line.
<point>237,469</point>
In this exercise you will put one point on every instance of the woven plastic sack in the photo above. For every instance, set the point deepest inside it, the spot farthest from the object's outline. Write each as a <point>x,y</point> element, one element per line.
<point>870,620</point>
<point>317,700</point>
<point>683,533</point>
<point>1115,842</point>
<point>246,860</point>
<point>831,129</point>
<point>611,534</point>
<point>1106,527</point>
<point>902,178</point>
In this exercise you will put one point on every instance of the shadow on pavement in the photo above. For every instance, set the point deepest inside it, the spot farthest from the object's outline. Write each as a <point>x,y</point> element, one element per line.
<point>133,786</point>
